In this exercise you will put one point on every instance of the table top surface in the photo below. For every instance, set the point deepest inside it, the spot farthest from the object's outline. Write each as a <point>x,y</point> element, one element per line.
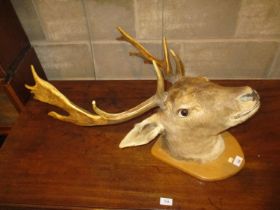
<point>48,163</point>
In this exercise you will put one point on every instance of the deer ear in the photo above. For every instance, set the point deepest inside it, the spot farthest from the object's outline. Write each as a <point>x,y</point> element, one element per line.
<point>143,132</point>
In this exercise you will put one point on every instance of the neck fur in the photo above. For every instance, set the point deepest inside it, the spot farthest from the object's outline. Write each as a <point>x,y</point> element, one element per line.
<point>199,148</point>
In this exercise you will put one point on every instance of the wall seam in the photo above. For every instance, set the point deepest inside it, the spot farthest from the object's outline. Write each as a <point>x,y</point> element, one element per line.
<point>46,43</point>
<point>93,72</point>
<point>157,41</point>
<point>162,23</point>
<point>136,20</point>
<point>273,63</point>
<point>36,9</point>
<point>162,19</point>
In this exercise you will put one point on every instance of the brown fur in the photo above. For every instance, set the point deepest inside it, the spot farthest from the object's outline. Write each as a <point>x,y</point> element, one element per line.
<point>212,109</point>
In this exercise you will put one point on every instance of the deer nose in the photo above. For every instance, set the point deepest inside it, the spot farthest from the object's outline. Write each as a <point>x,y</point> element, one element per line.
<point>252,96</point>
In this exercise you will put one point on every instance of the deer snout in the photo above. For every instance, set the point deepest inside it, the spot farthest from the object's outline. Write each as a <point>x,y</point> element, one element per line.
<point>248,103</point>
<point>252,96</point>
<point>249,100</point>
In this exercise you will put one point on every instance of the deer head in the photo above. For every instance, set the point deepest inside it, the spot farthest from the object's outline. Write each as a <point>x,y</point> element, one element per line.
<point>191,114</point>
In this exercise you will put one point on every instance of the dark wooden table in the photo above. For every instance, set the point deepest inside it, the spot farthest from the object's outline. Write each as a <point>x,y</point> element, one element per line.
<point>52,164</point>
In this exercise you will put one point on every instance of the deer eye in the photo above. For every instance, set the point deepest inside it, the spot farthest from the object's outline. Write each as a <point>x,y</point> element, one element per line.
<point>183,112</point>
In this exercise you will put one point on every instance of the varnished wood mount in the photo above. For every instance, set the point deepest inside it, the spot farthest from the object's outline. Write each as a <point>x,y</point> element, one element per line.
<point>230,162</point>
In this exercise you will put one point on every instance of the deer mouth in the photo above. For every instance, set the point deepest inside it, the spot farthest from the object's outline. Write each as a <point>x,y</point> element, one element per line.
<point>248,113</point>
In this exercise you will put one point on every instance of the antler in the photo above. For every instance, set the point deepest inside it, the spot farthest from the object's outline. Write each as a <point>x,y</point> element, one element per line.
<point>45,92</point>
<point>180,69</point>
<point>164,63</point>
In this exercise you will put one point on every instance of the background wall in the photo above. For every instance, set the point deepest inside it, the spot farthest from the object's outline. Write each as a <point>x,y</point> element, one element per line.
<point>225,39</point>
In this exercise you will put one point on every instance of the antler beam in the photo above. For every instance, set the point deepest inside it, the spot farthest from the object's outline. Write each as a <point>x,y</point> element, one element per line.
<point>46,92</point>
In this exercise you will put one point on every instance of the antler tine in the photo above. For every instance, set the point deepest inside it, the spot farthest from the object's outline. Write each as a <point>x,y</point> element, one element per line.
<point>168,67</point>
<point>47,93</point>
<point>143,52</point>
<point>180,70</point>
<point>160,81</point>
<point>164,64</point>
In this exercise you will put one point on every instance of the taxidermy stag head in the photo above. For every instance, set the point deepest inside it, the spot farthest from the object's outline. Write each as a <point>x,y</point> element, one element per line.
<point>191,114</point>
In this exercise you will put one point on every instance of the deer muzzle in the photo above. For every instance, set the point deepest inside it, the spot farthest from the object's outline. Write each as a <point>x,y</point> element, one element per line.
<point>249,103</point>
<point>253,96</point>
